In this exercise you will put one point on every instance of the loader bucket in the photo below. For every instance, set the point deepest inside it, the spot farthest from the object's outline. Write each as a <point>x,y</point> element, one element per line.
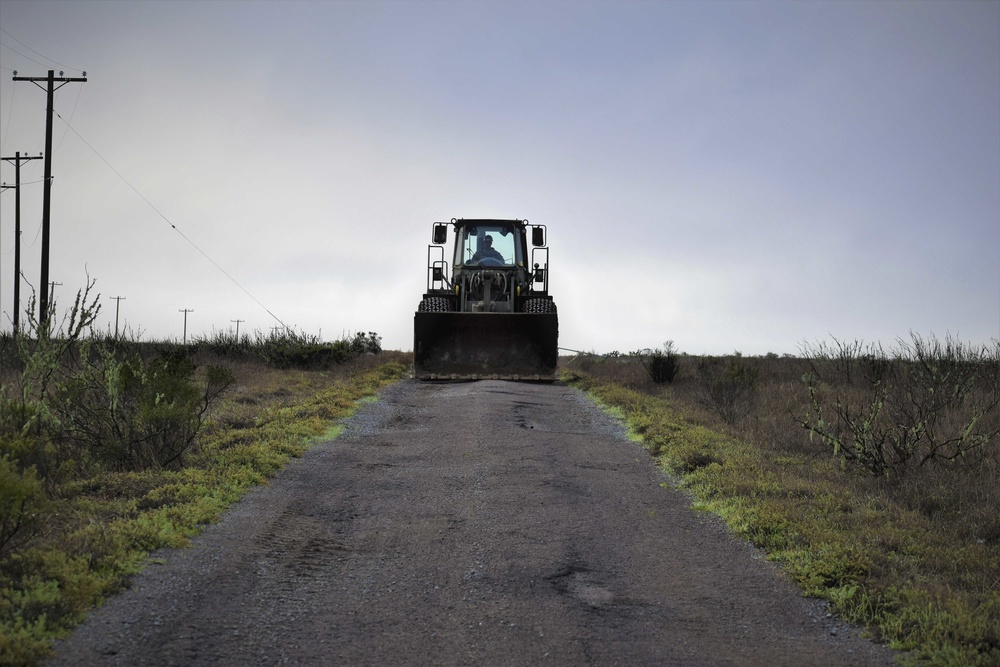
<point>468,346</point>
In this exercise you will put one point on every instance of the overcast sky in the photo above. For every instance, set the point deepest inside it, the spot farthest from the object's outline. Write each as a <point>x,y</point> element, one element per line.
<point>727,175</point>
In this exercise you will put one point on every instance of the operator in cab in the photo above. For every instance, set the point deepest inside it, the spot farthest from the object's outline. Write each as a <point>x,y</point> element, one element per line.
<point>486,251</point>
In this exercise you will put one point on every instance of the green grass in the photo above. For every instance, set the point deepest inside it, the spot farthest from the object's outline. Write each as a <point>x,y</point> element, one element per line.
<point>101,530</point>
<point>878,563</point>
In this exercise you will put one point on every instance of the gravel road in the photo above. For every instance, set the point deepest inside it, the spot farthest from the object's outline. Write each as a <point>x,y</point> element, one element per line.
<point>485,523</point>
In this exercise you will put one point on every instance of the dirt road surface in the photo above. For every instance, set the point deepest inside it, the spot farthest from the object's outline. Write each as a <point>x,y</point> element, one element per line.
<point>484,523</point>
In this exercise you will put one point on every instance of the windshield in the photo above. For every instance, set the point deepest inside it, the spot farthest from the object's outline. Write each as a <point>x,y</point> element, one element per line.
<point>487,245</point>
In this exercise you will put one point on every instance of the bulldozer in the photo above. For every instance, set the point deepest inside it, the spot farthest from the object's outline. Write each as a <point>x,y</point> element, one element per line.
<point>490,315</point>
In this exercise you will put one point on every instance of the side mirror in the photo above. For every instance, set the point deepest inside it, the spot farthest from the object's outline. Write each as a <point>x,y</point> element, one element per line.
<point>437,274</point>
<point>440,234</point>
<point>537,236</point>
<point>539,275</point>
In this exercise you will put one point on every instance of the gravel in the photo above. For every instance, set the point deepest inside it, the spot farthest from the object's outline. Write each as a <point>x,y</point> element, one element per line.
<point>467,523</point>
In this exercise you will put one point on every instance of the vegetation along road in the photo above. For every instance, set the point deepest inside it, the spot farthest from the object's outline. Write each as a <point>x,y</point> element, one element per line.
<point>469,523</point>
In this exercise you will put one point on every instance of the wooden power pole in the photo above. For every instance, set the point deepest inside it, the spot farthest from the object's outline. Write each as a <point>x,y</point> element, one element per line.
<point>186,311</point>
<point>17,159</point>
<point>50,88</point>
<point>118,302</point>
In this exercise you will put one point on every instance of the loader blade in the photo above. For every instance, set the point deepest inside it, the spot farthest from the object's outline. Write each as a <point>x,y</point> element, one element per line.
<point>516,346</point>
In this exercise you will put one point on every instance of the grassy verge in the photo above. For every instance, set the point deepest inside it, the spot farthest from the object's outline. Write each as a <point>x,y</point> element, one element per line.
<point>99,530</point>
<point>879,562</point>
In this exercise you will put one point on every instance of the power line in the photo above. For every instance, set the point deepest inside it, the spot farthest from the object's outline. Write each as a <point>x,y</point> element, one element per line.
<point>38,233</point>
<point>40,55</point>
<point>37,62</point>
<point>79,91</point>
<point>174,227</point>
<point>47,64</point>
<point>32,182</point>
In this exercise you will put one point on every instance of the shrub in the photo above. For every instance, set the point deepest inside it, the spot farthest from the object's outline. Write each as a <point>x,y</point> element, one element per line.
<point>727,386</point>
<point>127,414</point>
<point>22,502</point>
<point>929,401</point>
<point>370,343</point>
<point>44,349</point>
<point>287,348</point>
<point>662,364</point>
<point>92,401</point>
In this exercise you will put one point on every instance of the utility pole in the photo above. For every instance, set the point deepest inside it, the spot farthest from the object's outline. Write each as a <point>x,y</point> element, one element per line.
<point>118,303</point>
<point>237,329</point>
<point>17,230</point>
<point>186,311</point>
<point>50,89</point>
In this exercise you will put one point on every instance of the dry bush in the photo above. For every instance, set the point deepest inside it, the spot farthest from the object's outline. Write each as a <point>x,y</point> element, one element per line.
<point>927,402</point>
<point>728,386</point>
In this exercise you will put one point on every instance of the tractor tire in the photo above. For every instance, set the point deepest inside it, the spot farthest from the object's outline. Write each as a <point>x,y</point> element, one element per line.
<point>435,304</point>
<point>539,306</point>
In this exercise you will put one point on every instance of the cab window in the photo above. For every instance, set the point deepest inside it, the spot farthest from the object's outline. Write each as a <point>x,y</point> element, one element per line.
<point>487,245</point>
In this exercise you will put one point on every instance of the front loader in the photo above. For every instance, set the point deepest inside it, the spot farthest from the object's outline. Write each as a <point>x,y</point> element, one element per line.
<point>490,315</point>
